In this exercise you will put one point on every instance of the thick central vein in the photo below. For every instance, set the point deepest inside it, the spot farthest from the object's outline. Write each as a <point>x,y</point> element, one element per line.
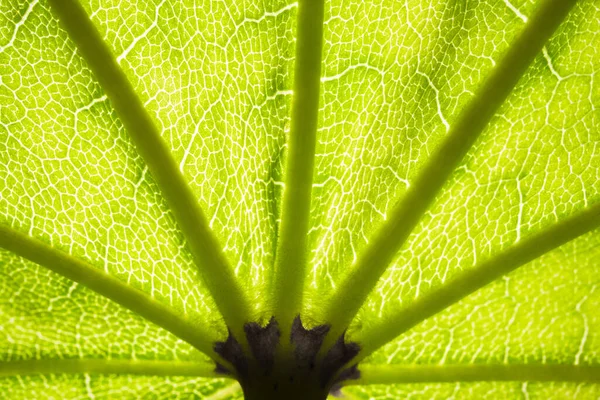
<point>214,267</point>
<point>380,251</point>
<point>290,263</point>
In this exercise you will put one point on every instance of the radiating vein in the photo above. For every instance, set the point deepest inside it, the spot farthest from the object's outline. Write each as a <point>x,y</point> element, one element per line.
<point>381,249</point>
<point>390,374</point>
<point>290,263</point>
<point>214,267</point>
<point>202,338</point>
<point>403,319</point>
<point>93,366</point>
<point>225,393</point>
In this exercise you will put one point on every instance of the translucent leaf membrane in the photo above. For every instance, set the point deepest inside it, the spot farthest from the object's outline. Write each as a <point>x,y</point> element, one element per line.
<point>216,77</point>
<point>536,163</point>
<point>46,316</point>
<point>546,312</point>
<point>69,175</point>
<point>475,391</point>
<point>85,386</point>
<point>396,74</point>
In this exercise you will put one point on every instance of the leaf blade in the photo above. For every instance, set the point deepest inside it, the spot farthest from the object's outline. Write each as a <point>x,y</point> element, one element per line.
<point>371,264</point>
<point>203,245</point>
<point>473,279</point>
<point>107,286</point>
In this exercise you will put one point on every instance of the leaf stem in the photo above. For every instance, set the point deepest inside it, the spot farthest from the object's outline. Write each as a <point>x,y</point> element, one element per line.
<point>229,297</point>
<point>380,251</point>
<point>94,366</point>
<point>290,262</point>
<point>109,287</point>
<point>391,374</point>
<point>439,299</point>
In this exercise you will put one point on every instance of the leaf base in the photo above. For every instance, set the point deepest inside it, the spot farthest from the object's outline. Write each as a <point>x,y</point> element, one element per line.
<point>295,374</point>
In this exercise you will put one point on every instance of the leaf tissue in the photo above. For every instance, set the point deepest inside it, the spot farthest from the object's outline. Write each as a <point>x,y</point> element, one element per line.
<point>299,200</point>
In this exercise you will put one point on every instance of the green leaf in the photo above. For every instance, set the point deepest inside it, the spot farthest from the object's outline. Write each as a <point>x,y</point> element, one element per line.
<point>422,177</point>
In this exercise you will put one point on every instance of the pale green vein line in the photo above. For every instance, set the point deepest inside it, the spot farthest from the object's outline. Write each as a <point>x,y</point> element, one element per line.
<point>475,278</point>
<point>214,267</point>
<point>391,374</point>
<point>92,366</point>
<point>381,249</point>
<point>290,263</point>
<point>112,288</point>
<point>225,393</point>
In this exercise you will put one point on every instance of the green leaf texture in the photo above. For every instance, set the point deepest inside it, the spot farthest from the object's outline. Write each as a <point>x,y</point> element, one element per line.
<point>216,78</point>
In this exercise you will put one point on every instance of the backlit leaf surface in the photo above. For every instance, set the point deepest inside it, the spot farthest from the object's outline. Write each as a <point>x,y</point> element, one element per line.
<point>216,77</point>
